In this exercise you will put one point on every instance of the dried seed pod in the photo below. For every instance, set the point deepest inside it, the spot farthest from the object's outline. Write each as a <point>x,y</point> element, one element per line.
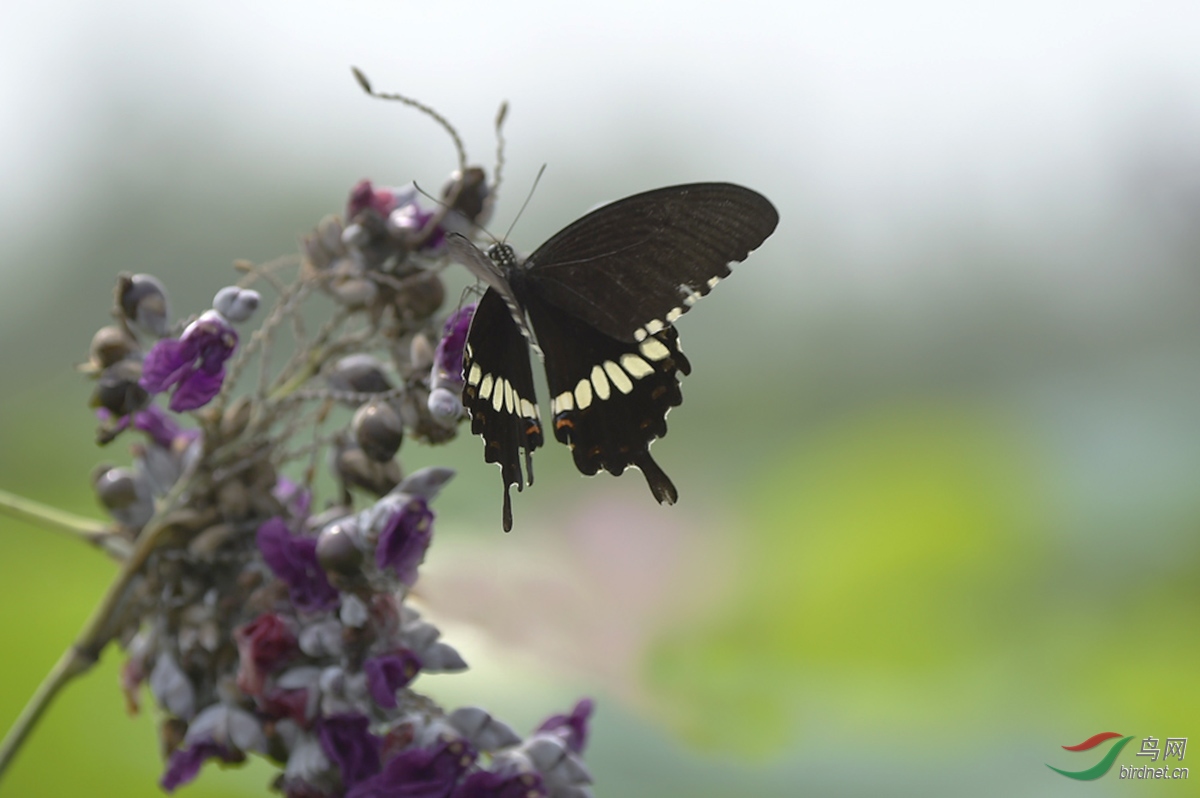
<point>420,422</point>
<point>420,297</point>
<point>474,198</point>
<point>338,551</point>
<point>323,245</point>
<point>233,500</point>
<point>420,352</point>
<point>354,469</point>
<point>358,374</point>
<point>378,430</point>
<point>142,299</point>
<point>118,390</point>
<point>356,293</point>
<point>206,543</point>
<point>110,345</point>
<point>235,418</point>
<point>124,494</point>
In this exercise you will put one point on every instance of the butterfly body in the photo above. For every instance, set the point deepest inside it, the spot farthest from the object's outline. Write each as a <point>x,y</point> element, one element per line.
<point>598,301</point>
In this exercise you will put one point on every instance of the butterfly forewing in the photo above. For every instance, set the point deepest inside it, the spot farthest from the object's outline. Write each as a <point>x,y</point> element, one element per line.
<point>633,267</point>
<point>609,398</point>
<point>499,394</point>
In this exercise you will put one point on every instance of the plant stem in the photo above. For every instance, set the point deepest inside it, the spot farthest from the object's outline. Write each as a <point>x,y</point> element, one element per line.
<point>100,629</point>
<point>56,520</point>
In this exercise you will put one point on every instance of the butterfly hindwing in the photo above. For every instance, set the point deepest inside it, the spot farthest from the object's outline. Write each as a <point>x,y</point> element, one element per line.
<point>499,394</point>
<point>609,398</point>
<point>634,266</point>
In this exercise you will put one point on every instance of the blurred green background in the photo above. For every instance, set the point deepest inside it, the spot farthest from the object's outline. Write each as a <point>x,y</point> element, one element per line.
<point>938,458</point>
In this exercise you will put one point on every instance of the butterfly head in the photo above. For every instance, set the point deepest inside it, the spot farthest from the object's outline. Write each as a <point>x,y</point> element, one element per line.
<point>502,255</point>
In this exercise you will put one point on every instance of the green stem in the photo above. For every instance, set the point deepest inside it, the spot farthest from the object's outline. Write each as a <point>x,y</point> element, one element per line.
<point>72,663</point>
<point>56,520</point>
<point>99,630</point>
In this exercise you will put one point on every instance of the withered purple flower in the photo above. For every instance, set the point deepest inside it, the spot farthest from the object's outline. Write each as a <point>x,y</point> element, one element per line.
<point>365,196</point>
<point>294,704</point>
<point>184,765</point>
<point>194,364</point>
<point>293,558</point>
<point>410,219</point>
<point>347,742</point>
<point>295,498</point>
<point>404,539</point>
<point>264,645</point>
<point>160,427</point>
<point>573,727</point>
<point>388,673</point>
<point>419,772</point>
<point>509,784</point>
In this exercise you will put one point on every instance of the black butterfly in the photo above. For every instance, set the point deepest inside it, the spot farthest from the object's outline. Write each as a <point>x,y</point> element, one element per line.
<point>600,298</point>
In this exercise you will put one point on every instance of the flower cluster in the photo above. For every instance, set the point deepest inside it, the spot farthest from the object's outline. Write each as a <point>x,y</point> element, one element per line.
<point>262,620</point>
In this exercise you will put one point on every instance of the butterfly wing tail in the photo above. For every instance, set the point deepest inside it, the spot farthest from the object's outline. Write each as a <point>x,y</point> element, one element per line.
<point>660,484</point>
<point>499,395</point>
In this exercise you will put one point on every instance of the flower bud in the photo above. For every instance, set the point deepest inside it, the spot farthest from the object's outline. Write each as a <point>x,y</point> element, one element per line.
<point>444,405</point>
<point>143,301</point>
<point>236,304</point>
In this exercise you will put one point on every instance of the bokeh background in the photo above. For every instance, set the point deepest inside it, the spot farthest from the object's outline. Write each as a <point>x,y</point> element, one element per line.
<point>939,457</point>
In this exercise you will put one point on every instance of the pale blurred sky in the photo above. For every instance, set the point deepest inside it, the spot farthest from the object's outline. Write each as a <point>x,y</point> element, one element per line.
<point>867,122</point>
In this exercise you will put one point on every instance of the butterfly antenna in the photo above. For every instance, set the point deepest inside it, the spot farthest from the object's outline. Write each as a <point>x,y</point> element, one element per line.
<point>447,208</point>
<point>528,197</point>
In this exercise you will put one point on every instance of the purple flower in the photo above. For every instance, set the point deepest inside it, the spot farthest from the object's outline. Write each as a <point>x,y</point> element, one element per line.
<point>263,645</point>
<point>293,496</point>
<point>364,195</point>
<point>161,428</point>
<point>488,784</point>
<point>346,741</point>
<point>409,220</point>
<point>572,728</point>
<point>293,558</point>
<point>448,359</point>
<point>194,364</point>
<point>404,539</point>
<point>446,378</point>
<point>292,704</point>
<point>302,789</point>
<point>388,673</point>
<point>419,773</point>
<point>184,765</point>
